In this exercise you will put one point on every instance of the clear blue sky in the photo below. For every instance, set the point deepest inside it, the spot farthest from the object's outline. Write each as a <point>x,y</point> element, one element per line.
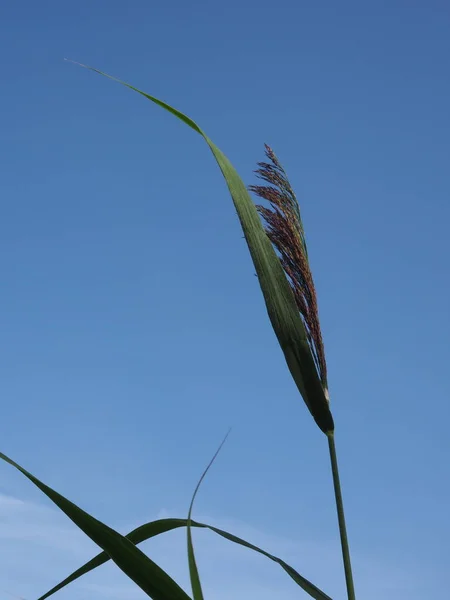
<point>133,332</point>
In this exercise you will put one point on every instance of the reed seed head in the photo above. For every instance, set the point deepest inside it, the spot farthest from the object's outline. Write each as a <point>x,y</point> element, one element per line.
<point>284,227</point>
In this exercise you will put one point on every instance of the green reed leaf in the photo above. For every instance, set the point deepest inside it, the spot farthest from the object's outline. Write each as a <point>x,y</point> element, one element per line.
<point>155,582</point>
<point>154,528</point>
<point>278,296</point>
<point>193,571</point>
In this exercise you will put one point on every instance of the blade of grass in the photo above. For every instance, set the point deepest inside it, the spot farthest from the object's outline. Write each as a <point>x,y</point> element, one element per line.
<point>278,296</point>
<point>197,591</point>
<point>154,528</point>
<point>155,582</point>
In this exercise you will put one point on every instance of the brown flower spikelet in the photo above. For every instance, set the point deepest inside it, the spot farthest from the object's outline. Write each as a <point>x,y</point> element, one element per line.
<point>285,230</point>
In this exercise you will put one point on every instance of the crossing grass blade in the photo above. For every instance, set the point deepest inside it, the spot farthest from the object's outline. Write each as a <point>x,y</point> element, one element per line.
<point>197,591</point>
<point>154,528</point>
<point>278,296</point>
<point>155,582</point>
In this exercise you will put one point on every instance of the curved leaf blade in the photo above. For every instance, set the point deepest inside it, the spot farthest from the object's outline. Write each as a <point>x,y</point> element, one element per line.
<point>278,296</point>
<point>154,528</point>
<point>155,582</point>
<point>197,591</point>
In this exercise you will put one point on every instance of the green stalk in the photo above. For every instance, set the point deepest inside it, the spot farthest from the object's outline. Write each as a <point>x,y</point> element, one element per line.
<point>341,518</point>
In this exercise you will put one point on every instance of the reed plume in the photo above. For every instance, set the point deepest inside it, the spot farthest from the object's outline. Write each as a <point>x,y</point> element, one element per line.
<point>285,230</point>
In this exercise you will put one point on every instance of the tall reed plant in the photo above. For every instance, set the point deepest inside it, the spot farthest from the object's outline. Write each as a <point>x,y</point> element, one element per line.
<point>276,241</point>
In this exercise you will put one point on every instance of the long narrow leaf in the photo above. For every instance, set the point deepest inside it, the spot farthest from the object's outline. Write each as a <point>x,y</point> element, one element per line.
<point>278,296</point>
<point>154,528</point>
<point>196,585</point>
<point>155,582</point>
<point>197,591</point>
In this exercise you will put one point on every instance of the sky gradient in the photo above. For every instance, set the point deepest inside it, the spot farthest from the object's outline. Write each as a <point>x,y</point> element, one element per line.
<point>133,330</point>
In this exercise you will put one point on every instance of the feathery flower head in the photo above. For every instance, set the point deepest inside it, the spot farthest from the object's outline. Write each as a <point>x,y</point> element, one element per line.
<point>284,228</point>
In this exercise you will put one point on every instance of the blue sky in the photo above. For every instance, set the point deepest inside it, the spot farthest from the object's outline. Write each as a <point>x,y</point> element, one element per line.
<point>134,332</point>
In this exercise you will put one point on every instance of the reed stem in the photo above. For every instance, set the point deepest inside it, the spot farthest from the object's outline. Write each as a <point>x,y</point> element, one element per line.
<point>341,518</point>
